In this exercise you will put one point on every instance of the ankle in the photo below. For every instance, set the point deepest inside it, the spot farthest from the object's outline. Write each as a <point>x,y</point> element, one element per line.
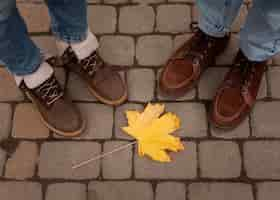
<point>81,49</point>
<point>35,79</point>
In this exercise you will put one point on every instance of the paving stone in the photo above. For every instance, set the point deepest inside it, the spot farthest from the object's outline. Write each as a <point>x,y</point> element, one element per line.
<point>31,127</point>
<point>8,88</point>
<point>183,165</point>
<point>117,50</point>
<point>121,120</point>
<point>141,84</point>
<point>265,119</point>
<point>195,14</point>
<point>180,40</point>
<point>274,80</point>
<point>46,44</point>
<point>173,18</point>
<point>268,190</point>
<point>2,161</point>
<point>220,191</point>
<point>78,89</point>
<point>276,59</point>
<point>185,1</point>
<point>102,19</point>
<point>19,190</point>
<point>210,81</point>
<point>193,118</point>
<point>69,191</point>
<point>263,89</point>
<point>99,121</point>
<point>136,19</point>
<point>171,190</point>
<point>262,159</point>
<point>38,20</point>
<point>120,190</point>
<point>118,165</point>
<point>144,2</point>
<point>153,50</point>
<point>115,1</point>
<point>188,96</point>
<point>219,159</point>
<point>5,120</point>
<point>22,163</point>
<point>242,131</point>
<point>57,158</point>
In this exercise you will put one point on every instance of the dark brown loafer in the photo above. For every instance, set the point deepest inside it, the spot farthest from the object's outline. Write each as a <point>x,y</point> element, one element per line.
<point>104,83</point>
<point>238,92</point>
<point>57,111</point>
<point>185,67</point>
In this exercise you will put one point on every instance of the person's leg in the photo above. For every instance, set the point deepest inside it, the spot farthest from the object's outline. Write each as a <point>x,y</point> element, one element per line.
<point>17,51</point>
<point>187,65</point>
<point>33,75</point>
<point>260,37</point>
<point>77,47</point>
<point>68,19</point>
<point>70,26</point>
<point>217,16</point>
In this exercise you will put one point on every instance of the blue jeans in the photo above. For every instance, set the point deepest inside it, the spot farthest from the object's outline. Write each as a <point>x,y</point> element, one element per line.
<point>259,38</point>
<point>18,52</point>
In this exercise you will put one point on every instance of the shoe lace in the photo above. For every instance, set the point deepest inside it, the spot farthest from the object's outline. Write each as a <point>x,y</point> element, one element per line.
<point>91,64</point>
<point>50,91</point>
<point>201,41</point>
<point>247,70</point>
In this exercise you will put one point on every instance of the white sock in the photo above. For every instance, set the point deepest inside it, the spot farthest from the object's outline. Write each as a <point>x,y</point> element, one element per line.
<point>82,49</point>
<point>33,80</point>
<point>61,46</point>
<point>18,79</point>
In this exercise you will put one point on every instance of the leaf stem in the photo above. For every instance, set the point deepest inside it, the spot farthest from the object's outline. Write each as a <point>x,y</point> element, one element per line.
<point>76,166</point>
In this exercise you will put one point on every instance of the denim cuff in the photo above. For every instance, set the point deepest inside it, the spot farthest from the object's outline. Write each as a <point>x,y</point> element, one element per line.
<point>259,53</point>
<point>33,65</point>
<point>214,30</point>
<point>69,36</point>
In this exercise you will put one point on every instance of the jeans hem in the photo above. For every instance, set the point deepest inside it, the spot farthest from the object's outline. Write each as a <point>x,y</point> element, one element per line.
<point>70,38</point>
<point>253,56</point>
<point>33,68</point>
<point>213,30</point>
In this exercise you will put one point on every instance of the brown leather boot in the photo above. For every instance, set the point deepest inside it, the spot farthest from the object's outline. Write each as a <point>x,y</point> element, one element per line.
<point>57,111</point>
<point>185,67</point>
<point>238,92</point>
<point>104,83</point>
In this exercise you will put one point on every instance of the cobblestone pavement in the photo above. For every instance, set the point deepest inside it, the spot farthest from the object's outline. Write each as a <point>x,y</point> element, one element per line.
<point>242,164</point>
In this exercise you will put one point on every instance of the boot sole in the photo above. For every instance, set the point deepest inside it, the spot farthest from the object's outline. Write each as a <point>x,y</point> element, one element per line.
<point>106,101</point>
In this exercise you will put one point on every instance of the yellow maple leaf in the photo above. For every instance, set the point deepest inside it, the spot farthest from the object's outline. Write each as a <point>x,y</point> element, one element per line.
<point>152,131</point>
